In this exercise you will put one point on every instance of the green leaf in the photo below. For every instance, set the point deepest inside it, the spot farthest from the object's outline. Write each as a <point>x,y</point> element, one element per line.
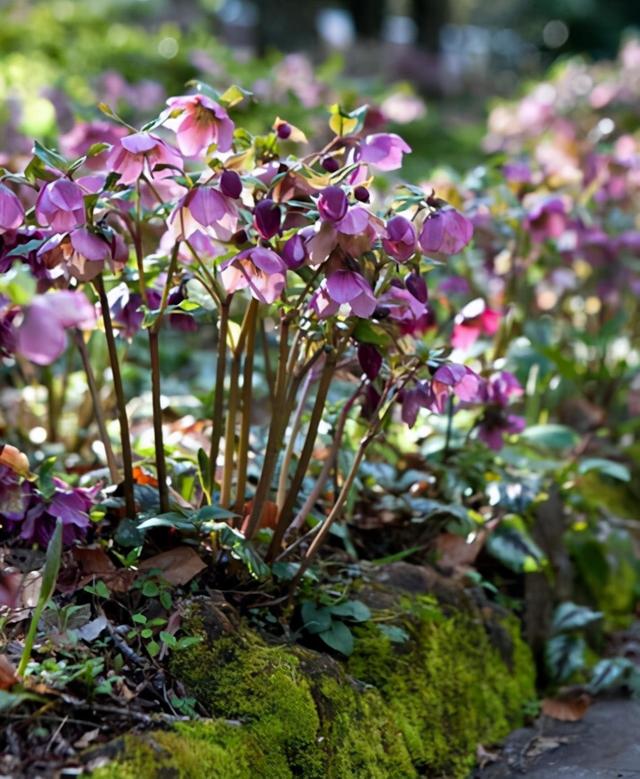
<point>511,543</point>
<point>316,619</point>
<point>610,672</point>
<point>338,637</point>
<point>239,547</point>
<point>150,589</point>
<point>570,616</point>
<point>168,638</point>
<point>394,633</point>
<point>367,332</point>
<point>97,148</point>
<point>46,485</point>
<point>49,577</point>
<point>605,467</point>
<point>233,95</point>
<point>50,157</point>
<point>551,436</point>
<point>17,283</point>
<point>153,648</point>
<point>354,609</point>
<point>564,655</point>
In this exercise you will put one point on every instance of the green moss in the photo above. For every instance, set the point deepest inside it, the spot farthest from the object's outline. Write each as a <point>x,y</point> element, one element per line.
<point>448,688</point>
<point>417,708</point>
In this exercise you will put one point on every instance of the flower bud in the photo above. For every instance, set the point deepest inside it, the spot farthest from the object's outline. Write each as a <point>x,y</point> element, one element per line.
<point>330,164</point>
<point>266,218</point>
<point>230,184</point>
<point>362,194</point>
<point>283,131</point>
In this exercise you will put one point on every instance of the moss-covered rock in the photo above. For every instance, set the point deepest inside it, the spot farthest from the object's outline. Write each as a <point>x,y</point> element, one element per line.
<point>396,709</point>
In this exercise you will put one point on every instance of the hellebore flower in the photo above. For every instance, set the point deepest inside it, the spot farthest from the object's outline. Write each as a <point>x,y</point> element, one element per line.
<point>140,153</point>
<point>126,308</point>
<point>400,241</point>
<point>446,231</point>
<point>34,517</point>
<point>84,135</point>
<point>231,184</point>
<point>11,210</point>
<point>332,204</point>
<point>457,380</point>
<point>408,311</point>
<point>260,270</point>
<point>41,335</point>
<point>547,219</point>
<point>8,313</point>
<point>474,320</point>
<point>82,254</point>
<point>370,360</point>
<point>199,123</point>
<point>349,286</point>
<point>417,286</point>
<point>60,205</point>
<point>294,252</point>
<point>383,150</point>
<point>204,207</point>
<point>266,218</point>
<point>495,421</point>
<point>412,400</point>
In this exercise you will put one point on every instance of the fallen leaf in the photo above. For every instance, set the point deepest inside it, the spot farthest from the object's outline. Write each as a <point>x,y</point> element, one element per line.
<point>268,517</point>
<point>94,564</point>
<point>87,739</point>
<point>140,476</point>
<point>454,551</point>
<point>567,709</point>
<point>92,630</point>
<point>178,566</point>
<point>7,673</point>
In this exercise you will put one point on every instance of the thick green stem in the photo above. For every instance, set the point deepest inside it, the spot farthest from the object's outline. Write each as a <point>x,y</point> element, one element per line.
<point>125,441</point>
<point>247,396</point>
<point>97,407</point>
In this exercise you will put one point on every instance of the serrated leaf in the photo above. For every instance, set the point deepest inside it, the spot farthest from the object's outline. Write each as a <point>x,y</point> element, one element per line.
<point>570,616</point>
<point>338,637</point>
<point>564,655</point>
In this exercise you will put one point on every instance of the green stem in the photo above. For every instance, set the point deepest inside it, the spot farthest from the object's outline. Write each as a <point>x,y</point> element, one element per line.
<point>245,423</point>
<point>217,417</point>
<point>125,441</point>
<point>97,407</point>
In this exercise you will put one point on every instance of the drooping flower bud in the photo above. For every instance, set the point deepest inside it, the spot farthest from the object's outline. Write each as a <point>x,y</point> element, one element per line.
<point>330,164</point>
<point>401,240</point>
<point>362,194</point>
<point>294,252</point>
<point>417,286</point>
<point>446,231</point>
<point>230,184</point>
<point>370,360</point>
<point>266,218</point>
<point>11,210</point>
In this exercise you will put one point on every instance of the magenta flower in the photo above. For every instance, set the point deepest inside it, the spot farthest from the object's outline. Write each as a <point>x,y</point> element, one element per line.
<point>412,400</point>
<point>82,254</point>
<point>332,204</point>
<point>496,422</point>
<point>85,134</point>
<point>294,252</point>
<point>417,286</point>
<point>400,241</point>
<point>231,184</point>
<point>547,219</point>
<point>351,287</point>
<point>474,320</point>
<point>446,231</point>
<point>260,270</point>
<point>404,308</point>
<point>383,150</point>
<point>140,153</point>
<point>200,122</point>
<point>266,218</point>
<point>458,380</point>
<point>41,335</point>
<point>60,205</point>
<point>370,360</point>
<point>11,210</point>
<point>204,207</point>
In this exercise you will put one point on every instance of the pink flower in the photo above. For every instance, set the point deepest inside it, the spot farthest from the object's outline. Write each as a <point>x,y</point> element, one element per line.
<point>83,135</point>
<point>495,422</point>
<point>446,232</point>
<point>204,207</point>
<point>334,209</point>
<point>457,380</point>
<point>60,205</point>
<point>11,210</point>
<point>400,241</point>
<point>406,309</point>
<point>41,335</point>
<point>474,320</point>
<point>260,270</point>
<point>383,150</point>
<point>140,153</point>
<point>200,122</point>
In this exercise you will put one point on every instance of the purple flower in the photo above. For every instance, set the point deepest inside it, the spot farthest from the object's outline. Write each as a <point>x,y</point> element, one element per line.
<point>60,205</point>
<point>41,335</point>
<point>383,150</point>
<point>266,218</point>
<point>11,210</point>
<point>458,380</point>
<point>417,286</point>
<point>294,252</point>
<point>204,207</point>
<point>546,219</point>
<point>260,270</point>
<point>370,360</point>
<point>405,309</point>
<point>332,204</point>
<point>199,122</point>
<point>445,232</point>
<point>230,184</point>
<point>495,421</point>
<point>349,286</point>
<point>400,241</point>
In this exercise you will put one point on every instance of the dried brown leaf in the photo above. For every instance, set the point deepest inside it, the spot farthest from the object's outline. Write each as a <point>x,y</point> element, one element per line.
<point>178,566</point>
